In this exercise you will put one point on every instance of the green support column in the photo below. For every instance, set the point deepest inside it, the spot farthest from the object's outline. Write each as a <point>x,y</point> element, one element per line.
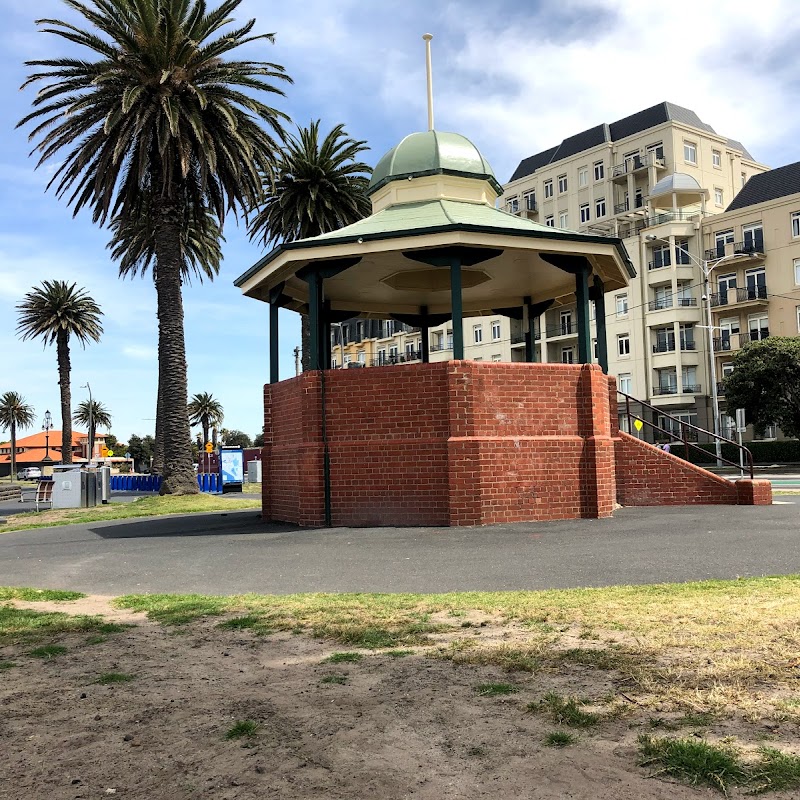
<point>598,290</point>
<point>582,296</point>
<point>315,319</point>
<point>530,333</point>
<point>273,341</point>
<point>457,308</point>
<point>425,334</point>
<point>325,344</point>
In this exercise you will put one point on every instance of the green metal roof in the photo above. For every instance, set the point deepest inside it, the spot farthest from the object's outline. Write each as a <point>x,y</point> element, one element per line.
<point>432,153</point>
<point>436,216</point>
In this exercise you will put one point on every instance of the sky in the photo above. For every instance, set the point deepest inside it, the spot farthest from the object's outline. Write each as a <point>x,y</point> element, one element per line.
<point>514,77</point>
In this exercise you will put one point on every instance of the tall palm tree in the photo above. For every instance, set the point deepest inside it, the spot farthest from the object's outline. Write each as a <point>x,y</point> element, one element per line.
<point>93,414</point>
<point>14,413</point>
<point>154,114</point>
<point>206,411</point>
<point>133,246</point>
<point>55,312</point>
<point>319,187</point>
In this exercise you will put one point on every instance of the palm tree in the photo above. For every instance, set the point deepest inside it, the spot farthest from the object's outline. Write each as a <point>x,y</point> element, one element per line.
<point>55,312</point>
<point>319,187</point>
<point>93,414</point>
<point>154,117</point>
<point>133,246</point>
<point>14,413</point>
<point>206,411</point>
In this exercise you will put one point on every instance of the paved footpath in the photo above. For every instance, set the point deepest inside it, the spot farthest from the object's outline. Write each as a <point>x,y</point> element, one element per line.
<point>229,553</point>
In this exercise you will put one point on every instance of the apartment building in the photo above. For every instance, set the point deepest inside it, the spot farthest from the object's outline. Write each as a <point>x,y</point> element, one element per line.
<point>754,251</point>
<point>650,179</point>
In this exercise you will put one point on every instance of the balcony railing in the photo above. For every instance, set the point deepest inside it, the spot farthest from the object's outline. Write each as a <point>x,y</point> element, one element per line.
<point>635,163</point>
<point>731,296</point>
<point>669,389</point>
<point>563,329</point>
<point>662,390</point>
<point>400,358</point>
<point>752,247</point>
<point>692,388</point>
<point>735,341</point>
<point>517,338</point>
<point>669,302</point>
<point>664,347</point>
<point>438,348</point>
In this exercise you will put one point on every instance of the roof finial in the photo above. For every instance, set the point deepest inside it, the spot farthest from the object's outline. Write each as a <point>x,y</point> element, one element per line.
<point>427,37</point>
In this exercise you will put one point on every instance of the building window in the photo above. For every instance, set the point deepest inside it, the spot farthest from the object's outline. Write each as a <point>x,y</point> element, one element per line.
<point>530,200</point>
<point>758,326</point>
<point>690,152</point>
<point>594,349</point>
<point>513,205</point>
<point>656,150</point>
<point>393,354</point>
<point>563,219</point>
<point>567,355</point>
<point>744,178</point>
<point>333,363</point>
<point>797,271</point>
<point>450,339</point>
<point>477,333</point>
<point>585,213</point>
<point>347,358</point>
<point>796,224</point>
<point>583,176</point>
<point>478,358</point>
<point>622,305</point>
<point>562,184</point>
<point>689,380</point>
<point>624,344</point>
<point>718,196</point>
<point>753,237</point>
<point>549,221</point>
<point>682,251</point>
<point>548,189</point>
<point>382,355</point>
<point>497,357</point>
<point>721,238</point>
<point>716,159</point>
<point>600,207</point>
<point>599,171</point>
<point>797,309</point>
<point>625,383</point>
<point>362,357</point>
<point>495,329</point>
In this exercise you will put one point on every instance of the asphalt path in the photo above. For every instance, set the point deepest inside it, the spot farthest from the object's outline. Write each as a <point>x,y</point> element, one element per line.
<point>234,552</point>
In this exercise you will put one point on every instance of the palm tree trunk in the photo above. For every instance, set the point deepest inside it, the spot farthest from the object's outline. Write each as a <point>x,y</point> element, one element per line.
<point>179,477</point>
<point>62,351</point>
<point>205,431</point>
<point>158,450</point>
<point>13,451</point>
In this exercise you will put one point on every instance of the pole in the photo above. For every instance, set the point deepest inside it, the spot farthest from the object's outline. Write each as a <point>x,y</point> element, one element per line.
<point>712,364</point>
<point>457,308</point>
<point>429,68</point>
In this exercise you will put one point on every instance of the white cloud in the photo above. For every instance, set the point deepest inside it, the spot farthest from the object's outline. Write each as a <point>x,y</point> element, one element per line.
<point>140,352</point>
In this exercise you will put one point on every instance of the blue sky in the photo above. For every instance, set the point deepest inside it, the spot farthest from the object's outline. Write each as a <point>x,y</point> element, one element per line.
<point>514,77</point>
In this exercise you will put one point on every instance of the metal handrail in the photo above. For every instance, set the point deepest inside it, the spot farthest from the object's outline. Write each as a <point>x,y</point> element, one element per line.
<point>748,456</point>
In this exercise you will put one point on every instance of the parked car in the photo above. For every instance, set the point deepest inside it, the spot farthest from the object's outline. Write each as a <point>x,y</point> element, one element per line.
<point>29,474</point>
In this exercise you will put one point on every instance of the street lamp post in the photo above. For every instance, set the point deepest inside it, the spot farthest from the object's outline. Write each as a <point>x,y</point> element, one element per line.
<point>47,469</point>
<point>707,265</point>
<point>91,409</point>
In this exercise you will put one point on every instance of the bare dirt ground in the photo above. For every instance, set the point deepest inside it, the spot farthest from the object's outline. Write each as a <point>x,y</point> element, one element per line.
<point>394,727</point>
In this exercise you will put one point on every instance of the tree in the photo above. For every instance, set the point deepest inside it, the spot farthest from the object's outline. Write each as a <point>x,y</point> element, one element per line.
<point>765,382</point>
<point>153,118</point>
<point>141,450</point>
<point>55,312</point>
<point>236,438</point>
<point>93,414</point>
<point>14,413</point>
<point>206,411</point>
<point>133,246</point>
<point>319,187</point>
<point>258,440</point>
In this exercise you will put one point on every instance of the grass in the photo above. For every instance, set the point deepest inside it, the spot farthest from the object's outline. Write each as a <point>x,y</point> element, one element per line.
<point>26,624</point>
<point>495,689</point>
<point>114,677</point>
<point>565,711</point>
<point>775,771</point>
<point>143,507</point>
<point>37,595</point>
<point>509,658</point>
<point>249,622</point>
<point>343,658</point>
<point>335,679</point>
<point>398,653</point>
<point>560,739</point>
<point>6,665</point>
<point>242,729</point>
<point>48,651</point>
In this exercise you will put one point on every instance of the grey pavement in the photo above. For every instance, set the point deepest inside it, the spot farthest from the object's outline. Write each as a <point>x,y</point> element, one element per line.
<point>230,553</point>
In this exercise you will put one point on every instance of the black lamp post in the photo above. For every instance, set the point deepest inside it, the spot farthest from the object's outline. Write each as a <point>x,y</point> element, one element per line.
<point>47,461</point>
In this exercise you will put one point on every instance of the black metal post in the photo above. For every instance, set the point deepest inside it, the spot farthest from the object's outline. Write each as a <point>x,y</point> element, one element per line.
<point>315,319</point>
<point>273,341</point>
<point>600,320</point>
<point>456,303</point>
<point>582,296</point>
<point>424,330</point>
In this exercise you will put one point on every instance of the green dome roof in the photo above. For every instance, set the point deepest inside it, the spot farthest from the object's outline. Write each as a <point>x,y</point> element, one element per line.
<point>432,153</point>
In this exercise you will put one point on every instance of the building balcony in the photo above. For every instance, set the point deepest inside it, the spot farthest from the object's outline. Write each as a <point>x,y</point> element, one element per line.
<point>636,164</point>
<point>672,389</point>
<point>408,357</point>
<point>440,348</point>
<point>564,330</point>
<point>672,302</point>
<point>668,346</point>
<point>752,247</point>
<point>736,341</point>
<point>752,295</point>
